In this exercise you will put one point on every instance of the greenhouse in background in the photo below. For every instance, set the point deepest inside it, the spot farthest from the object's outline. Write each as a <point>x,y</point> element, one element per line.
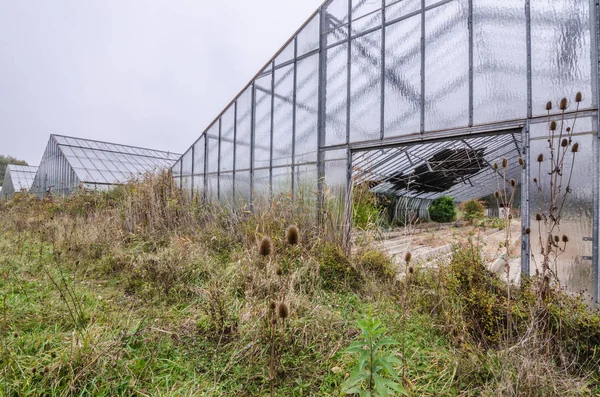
<point>417,100</point>
<point>72,163</point>
<point>17,178</point>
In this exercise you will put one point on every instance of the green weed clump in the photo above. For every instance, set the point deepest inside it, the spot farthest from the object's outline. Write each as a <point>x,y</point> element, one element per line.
<point>335,269</point>
<point>376,263</point>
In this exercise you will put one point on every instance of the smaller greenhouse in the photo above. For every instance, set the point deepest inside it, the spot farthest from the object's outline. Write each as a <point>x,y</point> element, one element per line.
<point>71,163</point>
<point>17,178</point>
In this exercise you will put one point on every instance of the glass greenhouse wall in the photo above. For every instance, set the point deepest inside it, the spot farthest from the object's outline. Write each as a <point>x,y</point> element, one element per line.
<point>364,76</point>
<point>71,163</point>
<point>17,178</point>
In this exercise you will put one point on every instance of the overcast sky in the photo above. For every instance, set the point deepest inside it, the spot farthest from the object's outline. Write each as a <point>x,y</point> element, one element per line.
<point>141,72</point>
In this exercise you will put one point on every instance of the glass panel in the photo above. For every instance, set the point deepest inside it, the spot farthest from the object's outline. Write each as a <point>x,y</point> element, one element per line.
<point>261,183</point>
<point>283,116</point>
<point>560,52</point>
<point>500,81</point>
<point>366,23</point>
<point>308,38</point>
<point>199,186</point>
<point>338,35</point>
<point>447,88</point>
<point>335,184</point>
<point>403,77</point>
<point>226,188</point>
<point>365,94</point>
<point>305,183</point>
<point>286,54</point>
<point>282,180</point>
<point>242,185</point>
<point>336,12</point>
<point>227,136</point>
<point>336,99</point>
<point>397,9</point>
<point>199,148</point>
<point>213,148</point>
<point>574,271</point>
<point>363,7</point>
<point>306,109</point>
<point>262,129</point>
<point>244,121</point>
<point>212,188</point>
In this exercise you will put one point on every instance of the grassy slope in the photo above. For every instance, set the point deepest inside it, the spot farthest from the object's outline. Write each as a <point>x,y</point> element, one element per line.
<point>163,345</point>
<point>139,293</point>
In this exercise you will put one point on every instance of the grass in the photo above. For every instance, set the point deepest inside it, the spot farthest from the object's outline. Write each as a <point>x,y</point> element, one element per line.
<point>141,292</point>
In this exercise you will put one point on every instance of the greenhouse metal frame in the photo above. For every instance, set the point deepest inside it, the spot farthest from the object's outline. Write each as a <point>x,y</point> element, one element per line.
<point>363,77</point>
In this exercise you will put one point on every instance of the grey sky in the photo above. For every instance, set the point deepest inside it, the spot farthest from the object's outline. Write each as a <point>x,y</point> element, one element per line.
<point>141,72</point>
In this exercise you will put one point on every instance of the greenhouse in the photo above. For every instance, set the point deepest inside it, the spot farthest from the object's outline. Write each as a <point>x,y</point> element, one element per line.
<point>418,100</point>
<point>71,163</point>
<point>17,178</point>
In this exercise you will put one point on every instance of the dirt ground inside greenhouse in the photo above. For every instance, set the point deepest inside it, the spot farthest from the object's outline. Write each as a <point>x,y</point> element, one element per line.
<point>431,243</point>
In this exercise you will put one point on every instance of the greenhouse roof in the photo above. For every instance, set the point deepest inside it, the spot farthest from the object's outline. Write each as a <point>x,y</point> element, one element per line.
<point>464,169</point>
<point>21,176</point>
<point>108,163</point>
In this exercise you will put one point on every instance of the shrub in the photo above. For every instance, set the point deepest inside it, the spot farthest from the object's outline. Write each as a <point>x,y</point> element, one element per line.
<point>376,263</point>
<point>472,210</point>
<point>335,269</point>
<point>443,210</point>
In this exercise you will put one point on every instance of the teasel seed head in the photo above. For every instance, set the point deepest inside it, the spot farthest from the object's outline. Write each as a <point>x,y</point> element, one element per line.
<point>521,161</point>
<point>274,321</point>
<point>564,104</point>
<point>565,239</point>
<point>575,147</point>
<point>495,166</point>
<point>265,247</point>
<point>273,305</point>
<point>528,231</point>
<point>534,180</point>
<point>564,143</point>
<point>497,194</point>
<point>549,105</point>
<point>568,129</point>
<point>513,183</point>
<point>46,369</point>
<point>411,270</point>
<point>504,162</point>
<point>279,271</point>
<point>578,97</point>
<point>538,217</point>
<point>556,239</point>
<point>553,126</point>
<point>292,235</point>
<point>407,256</point>
<point>33,370</point>
<point>510,216</point>
<point>282,310</point>
<point>16,335</point>
<point>540,157</point>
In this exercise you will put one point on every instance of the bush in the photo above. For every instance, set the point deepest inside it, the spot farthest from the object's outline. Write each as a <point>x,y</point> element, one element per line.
<point>472,210</point>
<point>443,210</point>
<point>376,263</point>
<point>335,269</point>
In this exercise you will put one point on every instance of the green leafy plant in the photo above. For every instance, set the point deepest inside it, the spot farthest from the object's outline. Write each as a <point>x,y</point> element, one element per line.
<point>472,210</point>
<point>374,374</point>
<point>443,209</point>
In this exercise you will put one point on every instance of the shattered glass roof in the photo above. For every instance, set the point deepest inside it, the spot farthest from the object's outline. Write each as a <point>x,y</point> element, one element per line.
<point>22,176</point>
<point>109,163</point>
<point>464,169</point>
